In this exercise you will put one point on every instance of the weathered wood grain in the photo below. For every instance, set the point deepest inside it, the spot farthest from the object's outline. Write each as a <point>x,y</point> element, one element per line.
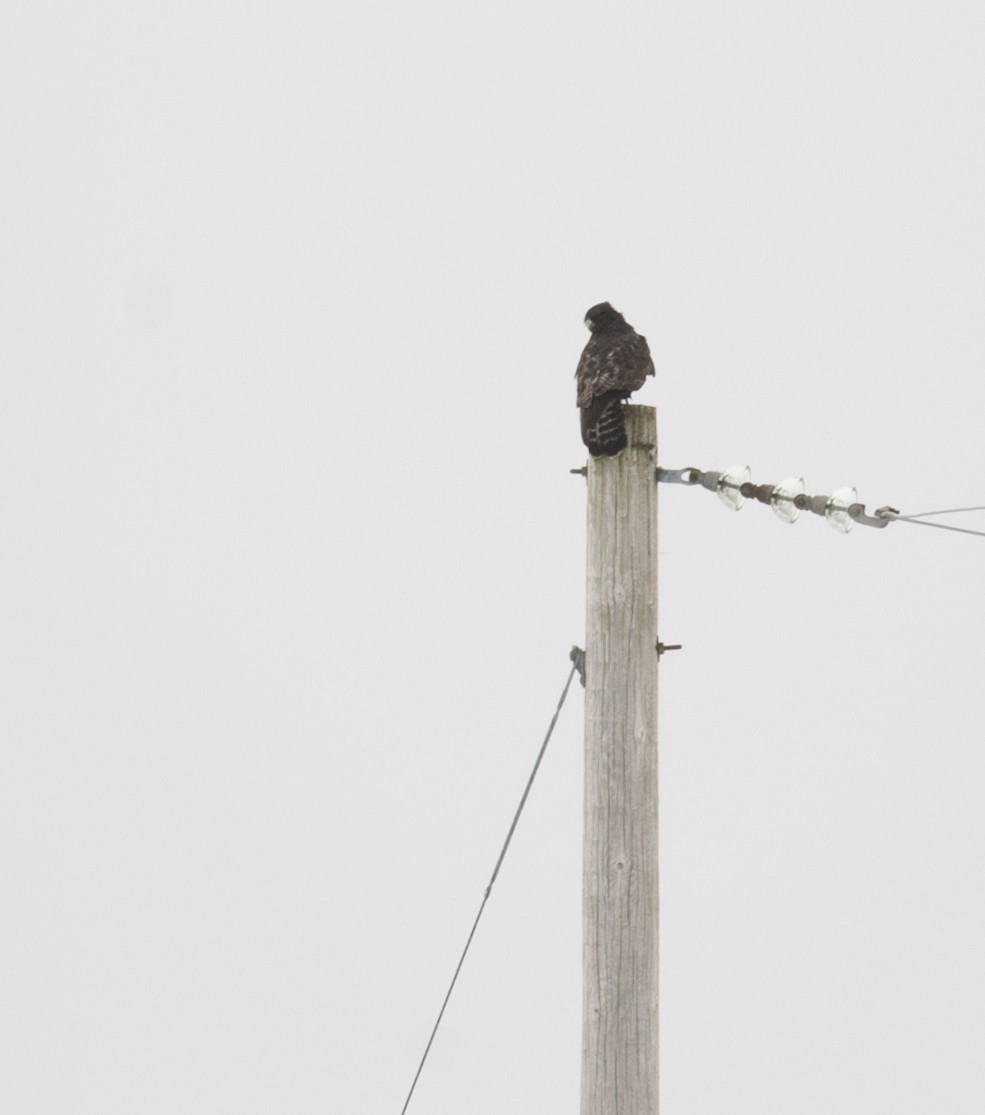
<point>620,906</point>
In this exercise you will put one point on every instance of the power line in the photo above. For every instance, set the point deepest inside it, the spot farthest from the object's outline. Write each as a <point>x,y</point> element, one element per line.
<point>919,521</point>
<point>949,511</point>
<point>578,661</point>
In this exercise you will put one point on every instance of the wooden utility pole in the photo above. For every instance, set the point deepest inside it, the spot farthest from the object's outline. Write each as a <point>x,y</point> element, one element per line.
<point>619,1021</point>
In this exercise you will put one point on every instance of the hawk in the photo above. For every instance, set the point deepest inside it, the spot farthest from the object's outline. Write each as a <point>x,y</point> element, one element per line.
<point>616,362</point>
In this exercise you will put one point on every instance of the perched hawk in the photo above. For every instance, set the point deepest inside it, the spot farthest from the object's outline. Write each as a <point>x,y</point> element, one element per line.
<point>616,361</point>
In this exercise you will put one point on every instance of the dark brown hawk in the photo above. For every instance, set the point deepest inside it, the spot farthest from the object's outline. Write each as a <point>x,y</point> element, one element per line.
<point>616,362</point>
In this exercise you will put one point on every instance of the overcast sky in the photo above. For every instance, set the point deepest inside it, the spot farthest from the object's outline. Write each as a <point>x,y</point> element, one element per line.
<point>291,298</point>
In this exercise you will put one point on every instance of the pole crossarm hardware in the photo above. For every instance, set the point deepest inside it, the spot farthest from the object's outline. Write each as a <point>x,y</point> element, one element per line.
<point>787,499</point>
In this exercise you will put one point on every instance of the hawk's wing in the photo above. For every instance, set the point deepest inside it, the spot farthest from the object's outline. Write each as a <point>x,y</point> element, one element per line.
<point>619,363</point>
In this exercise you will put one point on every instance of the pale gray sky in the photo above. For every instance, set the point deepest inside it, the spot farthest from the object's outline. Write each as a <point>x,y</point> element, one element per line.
<point>291,298</point>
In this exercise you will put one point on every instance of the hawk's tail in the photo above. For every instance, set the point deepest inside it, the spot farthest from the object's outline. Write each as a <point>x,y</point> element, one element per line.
<point>603,427</point>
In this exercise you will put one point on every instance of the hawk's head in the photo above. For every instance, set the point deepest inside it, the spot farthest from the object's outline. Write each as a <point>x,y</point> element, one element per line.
<point>602,317</point>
